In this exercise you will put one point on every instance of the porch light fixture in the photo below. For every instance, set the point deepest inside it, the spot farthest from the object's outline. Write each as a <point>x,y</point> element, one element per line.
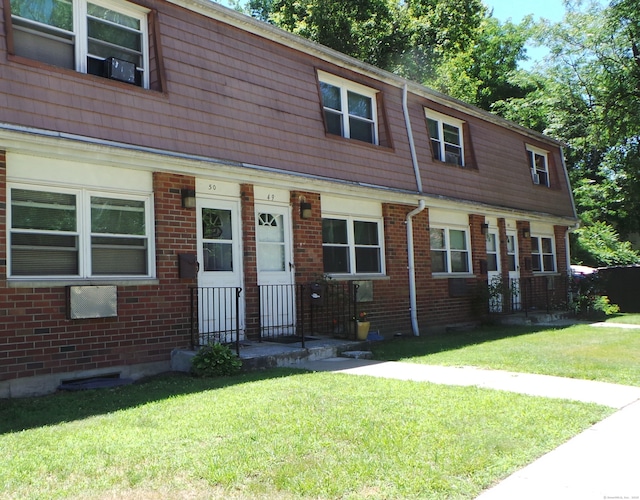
<point>484,228</point>
<point>188,198</point>
<point>526,233</point>
<point>305,210</point>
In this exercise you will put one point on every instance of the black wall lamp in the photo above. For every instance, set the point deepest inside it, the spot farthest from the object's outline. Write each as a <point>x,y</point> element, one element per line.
<point>526,233</point>
<point>484,228</point>
<point>305,210</point>
<point>188,198</point>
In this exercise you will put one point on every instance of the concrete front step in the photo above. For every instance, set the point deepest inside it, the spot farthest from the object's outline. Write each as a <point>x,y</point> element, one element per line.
<point>535,318</point>
<point>263,355</point>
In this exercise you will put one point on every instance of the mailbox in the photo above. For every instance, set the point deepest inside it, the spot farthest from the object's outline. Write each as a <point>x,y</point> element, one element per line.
<point>316,293</point>
<point>187,265</point>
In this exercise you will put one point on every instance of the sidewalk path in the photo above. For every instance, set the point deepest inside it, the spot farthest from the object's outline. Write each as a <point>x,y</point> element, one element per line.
<point>601,463</point>
<point>588,391</point>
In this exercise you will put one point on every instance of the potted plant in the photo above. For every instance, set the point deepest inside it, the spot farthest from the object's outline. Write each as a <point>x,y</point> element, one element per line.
<point>363,326</point>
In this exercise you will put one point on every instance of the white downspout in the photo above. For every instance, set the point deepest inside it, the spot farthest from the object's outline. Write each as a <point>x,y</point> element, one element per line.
<point>412,146</point>
<point>412,268</point>
<point>409,220</point>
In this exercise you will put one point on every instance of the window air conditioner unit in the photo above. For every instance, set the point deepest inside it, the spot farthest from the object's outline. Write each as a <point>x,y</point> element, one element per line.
<point>117,69</point>
<point>536,178</point>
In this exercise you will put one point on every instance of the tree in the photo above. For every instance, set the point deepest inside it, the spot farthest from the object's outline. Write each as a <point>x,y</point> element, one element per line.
<point>587,94</point>
<point>370,30</point>
<point>598,245</point>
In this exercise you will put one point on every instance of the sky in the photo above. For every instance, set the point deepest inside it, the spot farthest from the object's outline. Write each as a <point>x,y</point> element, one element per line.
<point>516,10</point>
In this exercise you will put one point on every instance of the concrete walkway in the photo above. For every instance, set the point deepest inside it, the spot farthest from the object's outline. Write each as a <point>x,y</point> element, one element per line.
<point>603,462</point>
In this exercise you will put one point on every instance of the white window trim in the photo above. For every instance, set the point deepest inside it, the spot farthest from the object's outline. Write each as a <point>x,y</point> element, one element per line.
<point>455,122</point>
<point>352,246</point>
<point>541,254</point>
<point>80,35</point>
<point>346,86</point>
<point>534,171</point>
<point>83,233</point>
<point>448,250</point>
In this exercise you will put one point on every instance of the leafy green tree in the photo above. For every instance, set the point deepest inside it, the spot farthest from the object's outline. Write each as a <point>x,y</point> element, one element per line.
<point>369,30</point>
<point>599,245</point>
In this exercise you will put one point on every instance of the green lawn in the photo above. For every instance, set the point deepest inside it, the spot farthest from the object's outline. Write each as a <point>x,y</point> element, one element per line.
<point>288,434</point>
<point>628,318</point>
<point>579,351</point>
<point>281,434</point>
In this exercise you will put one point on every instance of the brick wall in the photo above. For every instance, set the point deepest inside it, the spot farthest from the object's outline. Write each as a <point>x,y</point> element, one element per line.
<point>36,338</point>
<point>307,238</point>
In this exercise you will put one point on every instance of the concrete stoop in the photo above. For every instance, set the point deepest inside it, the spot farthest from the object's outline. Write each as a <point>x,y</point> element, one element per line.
<point>264,355</point>
<point>535,318</point>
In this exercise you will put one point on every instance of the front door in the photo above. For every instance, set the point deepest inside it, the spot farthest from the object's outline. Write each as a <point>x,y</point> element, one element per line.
<point>220,308</point>
<point>494,274</point>
<point>514,270</point>
<point>275,270</point>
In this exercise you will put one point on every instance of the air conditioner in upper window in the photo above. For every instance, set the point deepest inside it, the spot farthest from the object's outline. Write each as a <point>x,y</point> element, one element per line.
<point>118,69</point>
<point>452,158</point>
<point>536,178</point>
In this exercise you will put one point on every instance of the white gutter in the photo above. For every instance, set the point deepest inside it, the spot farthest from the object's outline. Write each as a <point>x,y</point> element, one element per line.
<point>413,308</point>
<point>412,146</point>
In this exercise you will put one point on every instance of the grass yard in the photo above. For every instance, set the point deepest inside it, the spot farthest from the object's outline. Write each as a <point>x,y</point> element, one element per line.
<point>579,351</point>
<point>628,318</point>
<point>281,434</point>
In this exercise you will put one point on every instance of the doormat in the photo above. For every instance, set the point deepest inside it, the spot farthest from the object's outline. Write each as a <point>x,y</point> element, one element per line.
<point>287,339</point>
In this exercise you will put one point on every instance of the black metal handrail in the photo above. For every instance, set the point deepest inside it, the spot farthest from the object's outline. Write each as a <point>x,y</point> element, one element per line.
<point>210,318</point>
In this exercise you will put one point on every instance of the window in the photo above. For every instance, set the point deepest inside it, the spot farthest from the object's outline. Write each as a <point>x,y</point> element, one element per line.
<point>542,256</point>
<point>447,142</point>
<point>352,246</point>
<point>493,255</point>
<point>78,234</point>
<point>449,250</point>
<point>84,36</point>
<point>217,239</point>
<point>349,109</point>
<point>538,165</point>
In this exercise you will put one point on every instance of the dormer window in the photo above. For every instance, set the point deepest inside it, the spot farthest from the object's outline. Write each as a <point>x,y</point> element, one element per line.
<point>539,165</point>
<point>447,140</point>
<point>349,108</point>
<point>106,39</point>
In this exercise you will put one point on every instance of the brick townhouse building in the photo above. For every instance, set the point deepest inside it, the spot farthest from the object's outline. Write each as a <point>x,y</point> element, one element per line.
<point>155,151</point>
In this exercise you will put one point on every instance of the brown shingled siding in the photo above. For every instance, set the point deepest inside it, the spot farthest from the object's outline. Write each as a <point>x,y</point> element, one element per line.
<point>233,95</point>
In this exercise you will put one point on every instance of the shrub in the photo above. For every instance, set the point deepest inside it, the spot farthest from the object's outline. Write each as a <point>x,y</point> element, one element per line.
<point>215,360</point>
<point>588,300</point>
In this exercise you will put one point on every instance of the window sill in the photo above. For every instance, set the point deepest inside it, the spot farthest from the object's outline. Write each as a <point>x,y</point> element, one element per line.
<point>350,141</point>
<point>357,277</point>
<point>80,75</point>
<point>452,275</point>
<point>48,283</point>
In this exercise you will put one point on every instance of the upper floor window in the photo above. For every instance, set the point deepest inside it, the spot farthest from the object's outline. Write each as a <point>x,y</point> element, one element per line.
<point>352,246</point>
<point>104,38</point>
<point>349,108</point>
<point>449,250</point>
<point>539,165</point>
<point>447,140</point>
<point>543,258</point>
<point>79,234</point>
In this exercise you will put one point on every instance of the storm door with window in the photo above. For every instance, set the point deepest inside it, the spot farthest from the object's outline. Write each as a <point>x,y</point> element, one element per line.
<point>494,273</point>
<point>220,308</point>
<point>275,270</point>
<point>514,270</point>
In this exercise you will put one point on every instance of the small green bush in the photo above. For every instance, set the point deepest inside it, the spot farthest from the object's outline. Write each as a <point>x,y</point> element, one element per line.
<point>215,360</point>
